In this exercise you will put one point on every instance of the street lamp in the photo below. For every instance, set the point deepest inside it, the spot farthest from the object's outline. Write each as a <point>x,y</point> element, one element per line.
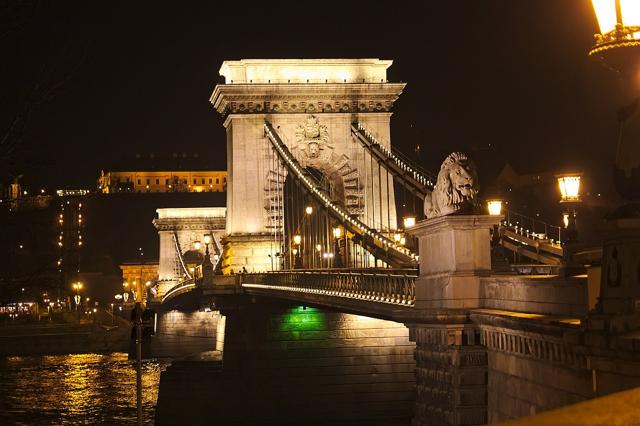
<point>337,233</point>
<point>197,245</point>
<point>569,185</point>
<point>494,206</point>
<point>308,210</point>
<point>619,22</point>
<point>618,47</point>
<point>409,221</point>
<point>297,252</point>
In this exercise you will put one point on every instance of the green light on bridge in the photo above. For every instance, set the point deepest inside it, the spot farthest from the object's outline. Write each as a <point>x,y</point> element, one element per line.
<point>301,318</point>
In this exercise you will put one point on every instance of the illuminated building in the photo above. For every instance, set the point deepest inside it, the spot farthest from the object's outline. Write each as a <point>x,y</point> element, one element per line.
<point>162,181</point>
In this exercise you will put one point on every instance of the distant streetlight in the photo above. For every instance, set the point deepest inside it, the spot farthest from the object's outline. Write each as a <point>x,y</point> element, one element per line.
<point>297,239</point>
<point>308,210</point>
<point>197,245</point>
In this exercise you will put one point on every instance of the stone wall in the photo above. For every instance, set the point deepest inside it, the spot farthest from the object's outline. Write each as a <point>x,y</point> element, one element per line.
<point>543,295</point>
<point>184,333</point>
<point>532,370</point>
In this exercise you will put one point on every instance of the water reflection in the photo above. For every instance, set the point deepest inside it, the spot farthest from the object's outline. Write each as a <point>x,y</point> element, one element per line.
<point>75,389</point>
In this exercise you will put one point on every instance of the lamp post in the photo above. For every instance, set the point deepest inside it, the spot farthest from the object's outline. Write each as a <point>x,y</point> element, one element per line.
<point>569,185</point>
<point>297,260</point>
<point>337,259</point>
<point>617,46</point>
<point>77,287</point>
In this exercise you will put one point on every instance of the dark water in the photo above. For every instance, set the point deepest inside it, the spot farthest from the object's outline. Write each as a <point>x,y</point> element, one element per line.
<point>75,389</point>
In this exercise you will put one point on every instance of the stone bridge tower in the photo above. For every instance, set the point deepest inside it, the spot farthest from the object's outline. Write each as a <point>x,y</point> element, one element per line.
<point>312,104</point>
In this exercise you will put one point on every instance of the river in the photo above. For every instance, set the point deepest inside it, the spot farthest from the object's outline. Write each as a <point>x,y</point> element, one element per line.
<point>75,389</point>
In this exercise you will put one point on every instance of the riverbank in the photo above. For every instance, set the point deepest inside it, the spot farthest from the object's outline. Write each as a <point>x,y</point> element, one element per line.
<point>54,338</point>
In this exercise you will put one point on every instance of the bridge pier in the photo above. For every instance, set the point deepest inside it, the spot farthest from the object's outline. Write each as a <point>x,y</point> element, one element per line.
<point>451,375</point>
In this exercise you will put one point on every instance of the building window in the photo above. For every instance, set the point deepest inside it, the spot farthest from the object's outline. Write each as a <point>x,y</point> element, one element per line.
<point>166,181</point>
<point>185,181</point>
<point>147,181</point>
<point>203,181</point>
<point>217,181</point>
<point>157,181</point>
<point>194,181</point>
<point>139,182</point>
<point>224,179</point>
<point>210,180</point>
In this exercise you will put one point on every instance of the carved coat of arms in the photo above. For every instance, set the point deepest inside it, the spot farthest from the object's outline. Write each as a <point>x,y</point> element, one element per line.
<point>312,141</point>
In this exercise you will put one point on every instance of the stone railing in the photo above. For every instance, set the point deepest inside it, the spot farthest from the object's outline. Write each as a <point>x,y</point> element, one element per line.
<point>388,286</point>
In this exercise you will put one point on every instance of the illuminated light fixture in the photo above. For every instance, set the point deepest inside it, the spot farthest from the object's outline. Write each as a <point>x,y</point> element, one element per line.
<point>294,251</point>
<point>125,284</point>
<point>494,206</point>
<point>297,239</point>
<point>409,221</point>
<point>148,283</point>
<point>197,245</point>
<point>397,237</point>
<point>619,22</point>
<point>308,210</point>
<point>337,232</point>
<point>569,185</point>
<point>565,219</point>
<point>207,239</point>
<point>403,241</point>
<point>318,247</point>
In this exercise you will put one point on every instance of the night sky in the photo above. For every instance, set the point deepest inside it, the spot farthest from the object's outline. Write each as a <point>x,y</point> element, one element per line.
<point>505,80</point>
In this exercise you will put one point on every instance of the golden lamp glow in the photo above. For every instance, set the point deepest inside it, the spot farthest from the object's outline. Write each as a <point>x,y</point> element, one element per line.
<point>197,245</point>
<point>627,14</point>
<point>294,251</point>
<point>619,22</point>
<point>569,185</point>
<point>318,247</point>
<point>565,219</point>
<point>308,210</point>
<point>297,239</point>
<point>494,207</point>
<point>397,238</point>
<point>207,239</point>
<point>409,221</point>
<point>337,232</point>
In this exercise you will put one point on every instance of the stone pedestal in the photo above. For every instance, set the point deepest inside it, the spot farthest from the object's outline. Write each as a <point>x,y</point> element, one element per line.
<point>451,375</point>
<point>620,283</point>
<point>454,253</point>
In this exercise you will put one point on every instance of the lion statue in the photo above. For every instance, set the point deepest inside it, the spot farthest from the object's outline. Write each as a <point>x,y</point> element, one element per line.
<point>456,187</point>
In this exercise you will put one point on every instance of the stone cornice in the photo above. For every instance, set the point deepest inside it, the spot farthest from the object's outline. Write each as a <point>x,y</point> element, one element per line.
<point>454,222</point>
<point>305,98</point>
<point>179,224</point>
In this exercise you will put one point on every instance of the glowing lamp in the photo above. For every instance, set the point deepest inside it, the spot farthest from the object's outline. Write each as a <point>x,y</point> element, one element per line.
<point>397,238</point>
<point>308,210</point>
<point>294,251</point>
<point>617,19</point>
<point>337,232</point>
<point>494,207</point>
<point>318,247</point>
<point>207,239</point>
<point>569,185</point>
<point>197,245</point>
<point>409,221</point>
<point>297,239</point>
